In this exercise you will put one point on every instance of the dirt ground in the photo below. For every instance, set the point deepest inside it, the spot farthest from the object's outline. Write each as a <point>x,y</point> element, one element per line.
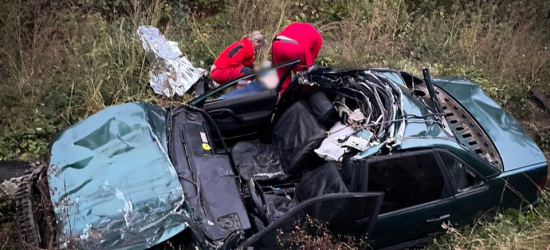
<point>8,236</point>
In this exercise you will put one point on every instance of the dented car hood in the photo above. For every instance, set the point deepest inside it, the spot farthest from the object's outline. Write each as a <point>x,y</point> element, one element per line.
<point>112,183</point>
<point>514,145</point>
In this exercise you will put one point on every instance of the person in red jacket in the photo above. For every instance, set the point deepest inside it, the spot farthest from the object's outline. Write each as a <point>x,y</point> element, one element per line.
<point>237,59</point>
<point>297,41</point>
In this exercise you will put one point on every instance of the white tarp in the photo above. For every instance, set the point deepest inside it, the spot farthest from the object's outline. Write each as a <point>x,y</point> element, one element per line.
<point>331,148</point>
<point>341,137</point>
<point>171,72</point>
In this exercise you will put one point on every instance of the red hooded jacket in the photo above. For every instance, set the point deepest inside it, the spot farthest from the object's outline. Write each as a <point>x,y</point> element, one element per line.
<point>308,37</point>
<point>238,54</point>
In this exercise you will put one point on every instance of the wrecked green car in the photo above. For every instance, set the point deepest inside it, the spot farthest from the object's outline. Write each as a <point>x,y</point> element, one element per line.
<point>375,153</point>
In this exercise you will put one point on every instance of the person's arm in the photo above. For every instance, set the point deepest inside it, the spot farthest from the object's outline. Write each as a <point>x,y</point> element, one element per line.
<point>249,62</point>
<point>316,48</point>
<point>242,55</point>
<point>312,52</point>
<point>308,60</point>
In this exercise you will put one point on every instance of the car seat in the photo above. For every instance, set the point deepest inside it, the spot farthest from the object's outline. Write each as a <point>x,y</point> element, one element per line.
<point>295,135</point>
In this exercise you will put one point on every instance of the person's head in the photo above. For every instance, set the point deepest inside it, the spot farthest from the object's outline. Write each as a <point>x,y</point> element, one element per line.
<point>257,39</point>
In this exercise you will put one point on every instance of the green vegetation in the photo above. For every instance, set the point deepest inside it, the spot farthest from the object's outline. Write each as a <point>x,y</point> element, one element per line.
<point>509,230</point>
<point>61,61</point>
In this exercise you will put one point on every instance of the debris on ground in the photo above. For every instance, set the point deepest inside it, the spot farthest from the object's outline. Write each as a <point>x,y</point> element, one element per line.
<point>540,97</point>
<point>8,188</point>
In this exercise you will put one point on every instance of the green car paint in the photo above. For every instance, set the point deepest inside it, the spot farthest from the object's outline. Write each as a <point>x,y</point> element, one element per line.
<point>112,183</point>
<point>111,173</point>
<point>426,127</point>
<point>515,146</point>
<point>512,188</point>
<point>510,139</point>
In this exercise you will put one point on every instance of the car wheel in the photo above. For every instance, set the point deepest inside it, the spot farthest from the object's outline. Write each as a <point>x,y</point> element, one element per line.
<point>34,217</point>
<point>25,216</point>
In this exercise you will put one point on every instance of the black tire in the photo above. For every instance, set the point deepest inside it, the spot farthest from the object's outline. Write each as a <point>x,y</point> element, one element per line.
<point>26,223</point>
<point>34,214</point>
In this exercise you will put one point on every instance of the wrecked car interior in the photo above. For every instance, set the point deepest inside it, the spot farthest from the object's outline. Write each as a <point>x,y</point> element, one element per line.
<point>278,168</point>
<point>372,153</point>
<point>243,172</point>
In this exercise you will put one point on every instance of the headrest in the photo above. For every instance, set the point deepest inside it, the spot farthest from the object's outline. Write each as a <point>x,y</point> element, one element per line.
<point>321,107</point>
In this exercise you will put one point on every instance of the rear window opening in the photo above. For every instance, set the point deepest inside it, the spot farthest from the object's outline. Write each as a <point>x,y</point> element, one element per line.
<point>411,80</point>
<point>407,181</point>
<point>463,177</point>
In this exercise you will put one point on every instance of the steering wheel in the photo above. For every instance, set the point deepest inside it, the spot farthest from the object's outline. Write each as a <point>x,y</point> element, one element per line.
<point>258,199</point>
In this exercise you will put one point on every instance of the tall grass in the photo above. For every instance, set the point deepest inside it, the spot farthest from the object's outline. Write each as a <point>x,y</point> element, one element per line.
<point>509,230</point>
<point>507,42</point>
<point>67,61</point>
<point>61,61</point>
<point>64,60</point>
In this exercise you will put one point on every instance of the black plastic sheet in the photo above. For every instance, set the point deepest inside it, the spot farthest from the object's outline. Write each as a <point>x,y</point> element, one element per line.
<point>322,108</point>
<point>350,213</point>
<point>323,180</point>
<point>295,135</point>
<point>277,206</point>
<point>257,160</point>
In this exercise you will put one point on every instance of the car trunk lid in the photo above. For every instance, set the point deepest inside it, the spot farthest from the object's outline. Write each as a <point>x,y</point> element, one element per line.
<point>515,146</point>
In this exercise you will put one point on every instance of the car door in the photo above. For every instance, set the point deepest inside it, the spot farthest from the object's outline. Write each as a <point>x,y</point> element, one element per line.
<point>343,213</point>
<point>239,116</point>
<point>472,196</point>
<point>244,115</point>
<point>430,188</point>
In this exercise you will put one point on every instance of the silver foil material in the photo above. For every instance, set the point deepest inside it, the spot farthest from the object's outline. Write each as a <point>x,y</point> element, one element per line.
<point>171,73</point>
